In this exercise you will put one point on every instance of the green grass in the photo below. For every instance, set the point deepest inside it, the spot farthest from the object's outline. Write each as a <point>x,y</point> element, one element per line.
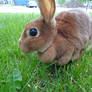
<point>21,72</point>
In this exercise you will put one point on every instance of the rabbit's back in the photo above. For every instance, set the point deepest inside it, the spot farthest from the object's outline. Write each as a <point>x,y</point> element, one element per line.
<point>75,26</point>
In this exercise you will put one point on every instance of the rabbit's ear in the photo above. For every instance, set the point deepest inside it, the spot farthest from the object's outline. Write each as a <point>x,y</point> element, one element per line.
<point>47,8</point>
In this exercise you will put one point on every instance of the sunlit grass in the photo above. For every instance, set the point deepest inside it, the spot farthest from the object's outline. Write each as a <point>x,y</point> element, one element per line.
<point>24,73</point>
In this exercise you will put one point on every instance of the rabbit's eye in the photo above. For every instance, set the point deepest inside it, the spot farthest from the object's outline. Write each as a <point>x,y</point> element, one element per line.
<point>33,32</point>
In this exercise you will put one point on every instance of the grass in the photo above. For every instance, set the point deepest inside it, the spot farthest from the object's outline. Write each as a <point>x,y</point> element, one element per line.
<point>21,72</point>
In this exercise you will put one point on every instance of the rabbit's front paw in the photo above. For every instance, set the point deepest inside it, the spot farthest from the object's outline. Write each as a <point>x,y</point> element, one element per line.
<point>48,56</point>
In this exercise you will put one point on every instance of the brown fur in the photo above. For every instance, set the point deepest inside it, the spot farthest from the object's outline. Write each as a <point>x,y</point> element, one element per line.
<point>61,39</point>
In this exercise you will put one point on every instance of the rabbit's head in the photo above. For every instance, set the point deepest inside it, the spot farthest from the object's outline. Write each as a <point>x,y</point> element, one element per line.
<point>39,34</point>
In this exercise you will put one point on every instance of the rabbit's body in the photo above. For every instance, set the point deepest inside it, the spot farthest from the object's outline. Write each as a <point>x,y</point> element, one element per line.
<point>60,39</point>
<point>74,30</point>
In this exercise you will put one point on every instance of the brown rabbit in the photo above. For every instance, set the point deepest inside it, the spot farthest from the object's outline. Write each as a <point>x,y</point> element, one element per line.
<point>57,39</point>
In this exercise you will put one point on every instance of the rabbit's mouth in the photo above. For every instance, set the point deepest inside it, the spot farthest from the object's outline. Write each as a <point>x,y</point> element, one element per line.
<point>24,48</point>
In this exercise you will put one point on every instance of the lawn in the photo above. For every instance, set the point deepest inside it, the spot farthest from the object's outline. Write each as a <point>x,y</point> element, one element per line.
<point>21,72</point>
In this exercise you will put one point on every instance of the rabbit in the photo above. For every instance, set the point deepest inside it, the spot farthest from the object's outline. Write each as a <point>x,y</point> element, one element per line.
<point>57,39</point>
